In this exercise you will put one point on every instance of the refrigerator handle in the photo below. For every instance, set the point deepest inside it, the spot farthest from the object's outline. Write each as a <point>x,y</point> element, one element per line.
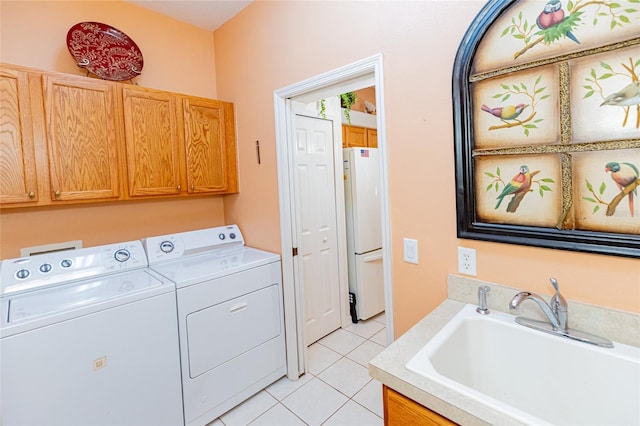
<point>372,258</point>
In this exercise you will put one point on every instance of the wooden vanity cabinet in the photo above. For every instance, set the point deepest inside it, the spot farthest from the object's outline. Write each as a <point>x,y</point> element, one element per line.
<point>18,177</point>
<point>402,411</point>
<point>84,136</point>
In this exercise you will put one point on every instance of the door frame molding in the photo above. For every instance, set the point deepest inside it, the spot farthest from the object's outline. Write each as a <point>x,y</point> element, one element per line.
<point>349,77</point>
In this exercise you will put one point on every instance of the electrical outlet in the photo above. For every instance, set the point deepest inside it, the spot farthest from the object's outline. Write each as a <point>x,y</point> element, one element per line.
<point>467,261</point>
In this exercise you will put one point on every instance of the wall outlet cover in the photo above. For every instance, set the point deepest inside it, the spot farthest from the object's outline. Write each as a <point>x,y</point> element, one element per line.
<point>467,261</point>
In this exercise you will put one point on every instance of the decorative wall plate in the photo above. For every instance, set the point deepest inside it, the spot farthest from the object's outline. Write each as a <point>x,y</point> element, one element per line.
<point>104,51</point>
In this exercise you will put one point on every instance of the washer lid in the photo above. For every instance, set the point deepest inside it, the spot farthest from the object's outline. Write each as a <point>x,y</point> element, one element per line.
<point>122,288</point>
<point>215,264</point>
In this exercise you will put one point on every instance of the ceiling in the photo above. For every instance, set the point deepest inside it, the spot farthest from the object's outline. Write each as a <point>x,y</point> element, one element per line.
<point>206,14</point>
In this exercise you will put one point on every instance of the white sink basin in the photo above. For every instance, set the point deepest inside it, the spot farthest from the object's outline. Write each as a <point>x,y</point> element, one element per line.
<point>534,377</point>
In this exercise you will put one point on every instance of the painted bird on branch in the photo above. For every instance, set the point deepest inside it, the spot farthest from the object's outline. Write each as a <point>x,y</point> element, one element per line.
<point>553,15</point>
<point>518,187</point>
<point>624,174</point>
<point>625,98</point>
<point>510,112</point>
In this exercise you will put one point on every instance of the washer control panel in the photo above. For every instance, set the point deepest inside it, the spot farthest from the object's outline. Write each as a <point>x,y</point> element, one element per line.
<point>44,270</point>
<point>175,246</point>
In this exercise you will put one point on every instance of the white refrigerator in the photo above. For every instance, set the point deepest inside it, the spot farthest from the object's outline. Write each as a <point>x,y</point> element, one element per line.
<point>362,188</point>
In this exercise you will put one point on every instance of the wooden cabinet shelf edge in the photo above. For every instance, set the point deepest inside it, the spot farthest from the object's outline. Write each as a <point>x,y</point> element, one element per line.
<point>72,139</point>
<point>356,136</point>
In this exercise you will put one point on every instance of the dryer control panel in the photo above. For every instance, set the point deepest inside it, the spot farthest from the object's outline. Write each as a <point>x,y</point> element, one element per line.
<point>175,246</point>
<point>48,269</point>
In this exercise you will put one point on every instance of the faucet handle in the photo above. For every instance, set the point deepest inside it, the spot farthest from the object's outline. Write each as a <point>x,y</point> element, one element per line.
<point>554,283</point>
<point>559,305</point>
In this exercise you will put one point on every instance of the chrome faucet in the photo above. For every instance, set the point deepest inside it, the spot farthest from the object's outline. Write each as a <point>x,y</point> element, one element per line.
<point>556,312</point>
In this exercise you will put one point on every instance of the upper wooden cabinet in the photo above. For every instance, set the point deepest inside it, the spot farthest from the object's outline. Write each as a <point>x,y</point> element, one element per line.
<point>83,138</point>
<point>353,136</point>
<point>210,146</point>
<point>152,140</point>
<point>69,139</point>
<point>18,180</point>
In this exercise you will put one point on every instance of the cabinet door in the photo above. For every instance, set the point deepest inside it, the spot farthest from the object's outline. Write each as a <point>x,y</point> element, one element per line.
<point>18,183</point>
<point>372,138</point>
<point>400,411</point>
<point>210,147</point>
<point>152,141</point>
<point>354,136</point>
<point>82,135</point>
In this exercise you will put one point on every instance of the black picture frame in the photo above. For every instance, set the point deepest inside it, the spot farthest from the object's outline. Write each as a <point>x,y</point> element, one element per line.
<point>468,225</point>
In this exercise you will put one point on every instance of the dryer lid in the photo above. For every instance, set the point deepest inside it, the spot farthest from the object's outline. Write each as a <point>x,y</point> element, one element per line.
<point>215,264</point>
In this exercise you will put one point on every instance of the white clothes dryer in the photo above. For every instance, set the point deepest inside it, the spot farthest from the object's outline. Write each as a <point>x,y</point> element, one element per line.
<point>88,337</point>
<point>230,317</point>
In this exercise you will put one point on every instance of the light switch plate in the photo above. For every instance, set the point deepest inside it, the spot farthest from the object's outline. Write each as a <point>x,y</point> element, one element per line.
<point>411,250</point>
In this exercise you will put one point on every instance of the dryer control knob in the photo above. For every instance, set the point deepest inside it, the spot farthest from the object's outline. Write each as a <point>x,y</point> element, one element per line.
<point>232,236</point>
<point>122,255</point>
<point>222,236</point>
<point>23,274</point>
<point>166,246</point>
<point>45,267</point>
<point>66,263</point>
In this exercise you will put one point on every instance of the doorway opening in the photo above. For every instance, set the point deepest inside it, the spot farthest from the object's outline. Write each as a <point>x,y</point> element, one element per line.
<point>358,75</point>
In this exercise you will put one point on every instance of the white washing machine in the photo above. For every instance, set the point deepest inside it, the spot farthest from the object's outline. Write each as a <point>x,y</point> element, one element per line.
<point>88,337</point>
<point>230,317</point>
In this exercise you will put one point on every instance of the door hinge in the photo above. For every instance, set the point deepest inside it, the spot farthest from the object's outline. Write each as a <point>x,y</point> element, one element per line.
<point>295,251</point>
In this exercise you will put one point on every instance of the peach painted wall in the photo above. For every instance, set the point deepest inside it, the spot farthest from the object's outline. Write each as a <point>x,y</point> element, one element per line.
<point>272,44</point>
<point>177,57</point>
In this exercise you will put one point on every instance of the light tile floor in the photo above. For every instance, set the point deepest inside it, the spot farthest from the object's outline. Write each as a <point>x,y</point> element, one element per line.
<point>336,390</point>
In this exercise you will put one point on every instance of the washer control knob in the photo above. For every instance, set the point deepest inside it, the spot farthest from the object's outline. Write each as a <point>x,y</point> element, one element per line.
<point>167,246</point>
<point>66,263</point>
<point>23,274</point>
<point>222,236</point>
<point>122,255</point>
<point>232,236</point>
<point>45,267</point>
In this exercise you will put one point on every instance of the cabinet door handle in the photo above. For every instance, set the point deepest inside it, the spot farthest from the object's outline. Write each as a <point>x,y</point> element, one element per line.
<point>193,187</point>
<point>32,195</point>
<point>57,193</point>
<point>179,188</point>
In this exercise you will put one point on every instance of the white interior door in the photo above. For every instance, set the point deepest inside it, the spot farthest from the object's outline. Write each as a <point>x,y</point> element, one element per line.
<point>318,257</point>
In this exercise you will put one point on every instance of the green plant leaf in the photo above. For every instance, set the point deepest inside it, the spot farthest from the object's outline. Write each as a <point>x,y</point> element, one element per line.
<point>496,96</point>
<point>541,192</point>
<point>497,187</point>
<point>498,171</point>
<point>504,86</point>
<point>548,180</point>
<point>538,80</point>
<point>526,132</point>
<point>507,96</point>
<point>595,209</point>
<point>519,36</point>
<point>606,66</point>
<point>545,188</point>
<point>603,187</point>
<point>595,21</point>
<point>614,5</point>
<point>631,10</point>
<point>613,24</point>
<point>570,6</point>
<point>491,175</point>
<point>504,33</point>
<point>544,97</point>
<point>542,89</point>
<point>529,126</point>
<point>489,187</point>
<point>589,186</point>
<point>589,199</point>
<point>624,19</point>
<point>523,86</point>
<point>605,76</point>
<point>588,94</point>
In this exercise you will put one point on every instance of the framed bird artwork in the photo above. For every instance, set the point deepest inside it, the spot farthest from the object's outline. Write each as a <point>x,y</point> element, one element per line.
<point>547,125</point>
